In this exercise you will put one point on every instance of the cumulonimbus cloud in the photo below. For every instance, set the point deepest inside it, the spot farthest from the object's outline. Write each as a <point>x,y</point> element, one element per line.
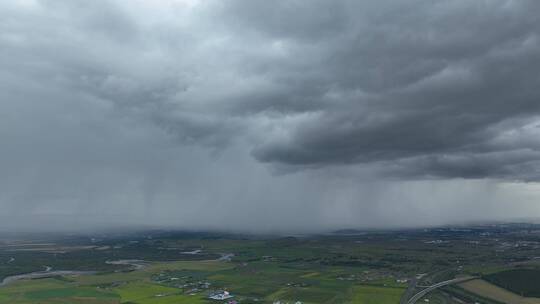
<point>428,85</point>
<point>413,90</point>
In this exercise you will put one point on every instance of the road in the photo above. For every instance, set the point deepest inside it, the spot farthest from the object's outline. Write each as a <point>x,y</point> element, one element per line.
<point>422,293</point>
<point>409,292</point>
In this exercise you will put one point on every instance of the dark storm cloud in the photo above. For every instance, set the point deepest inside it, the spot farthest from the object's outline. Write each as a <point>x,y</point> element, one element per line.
<point>182,110</point>
<point>432,81</point>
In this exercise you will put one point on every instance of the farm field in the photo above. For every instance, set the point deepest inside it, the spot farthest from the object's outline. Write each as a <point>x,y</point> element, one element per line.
<point>523,282</point>
<point>139,287</point>
<point>494,292</point>
<point>376,295</point>
<point>350,268</point>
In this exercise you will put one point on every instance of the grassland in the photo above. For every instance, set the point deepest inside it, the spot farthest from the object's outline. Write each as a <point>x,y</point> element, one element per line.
<point>375,295</point>
<point>262,282</point>
<point>53,291</point>
<point>358,268</point>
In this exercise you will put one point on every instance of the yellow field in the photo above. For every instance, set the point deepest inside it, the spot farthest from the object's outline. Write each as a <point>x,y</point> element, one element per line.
<point>488,290</point>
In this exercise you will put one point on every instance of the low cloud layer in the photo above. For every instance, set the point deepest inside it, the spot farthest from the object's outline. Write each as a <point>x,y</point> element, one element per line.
<point>202,113</point>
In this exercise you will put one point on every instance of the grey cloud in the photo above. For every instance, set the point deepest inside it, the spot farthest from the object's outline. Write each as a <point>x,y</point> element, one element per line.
<point>432,87</point>
<point>168,110</point>
<point>297,20</point>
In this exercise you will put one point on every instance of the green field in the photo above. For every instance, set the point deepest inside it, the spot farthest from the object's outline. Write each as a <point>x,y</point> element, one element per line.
<point>363,268</point>
<point>376,295</point>
<point>263,282</point>
<point>524,282</point>
<point>54,291</point>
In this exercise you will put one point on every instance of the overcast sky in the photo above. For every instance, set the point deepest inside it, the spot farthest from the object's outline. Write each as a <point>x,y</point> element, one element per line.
<point>264,115</point>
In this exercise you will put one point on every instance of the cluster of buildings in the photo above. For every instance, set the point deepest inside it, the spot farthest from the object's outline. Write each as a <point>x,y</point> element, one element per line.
<point>221,295</point>
<point>368,276</point>
<point>195,286</point>
<point>296,284</point>
<point>190,284</point>
<point>437,242</point>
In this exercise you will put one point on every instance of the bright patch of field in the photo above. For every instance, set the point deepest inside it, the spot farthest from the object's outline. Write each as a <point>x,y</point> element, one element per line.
<point>258,279</point>
<point>178,299</point>
<point>108,288</point>
<point>488,290</point>
<point>147,293</point>
<point>376,295</point>
<point>140,290</point>
<point>31,285</point>
<point>267,281</point>
<point>69,293</point>
<point>475,269</point>
<point>54,291</point>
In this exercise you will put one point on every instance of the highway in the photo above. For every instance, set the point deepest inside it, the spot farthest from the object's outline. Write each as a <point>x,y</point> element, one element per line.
<point>422,293</point>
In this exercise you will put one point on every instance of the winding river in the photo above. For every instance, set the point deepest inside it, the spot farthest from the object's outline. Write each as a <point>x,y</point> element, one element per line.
<point>48,272</point>
<point>42,274</point>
